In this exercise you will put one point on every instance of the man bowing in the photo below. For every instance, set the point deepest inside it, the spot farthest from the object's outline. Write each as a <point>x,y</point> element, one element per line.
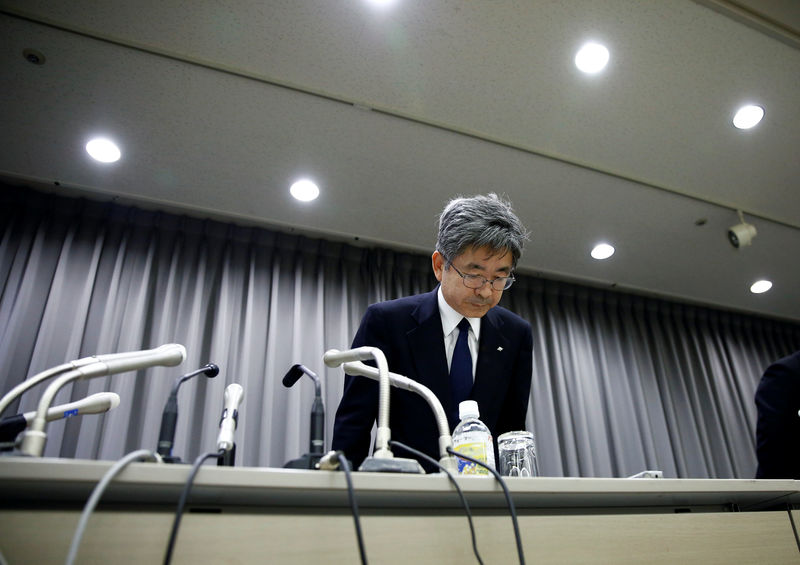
<point>455,340</point>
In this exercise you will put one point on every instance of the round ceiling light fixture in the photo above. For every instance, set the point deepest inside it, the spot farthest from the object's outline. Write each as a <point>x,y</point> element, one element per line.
<point>592,58</point>
<point>748,116</point>
<point>602,251</point>
<point>103,150</point>
<point>304,190</point>
<point>760,287</point>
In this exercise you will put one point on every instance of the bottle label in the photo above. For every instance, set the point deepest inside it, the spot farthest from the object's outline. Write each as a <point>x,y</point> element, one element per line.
<point>477,448</point>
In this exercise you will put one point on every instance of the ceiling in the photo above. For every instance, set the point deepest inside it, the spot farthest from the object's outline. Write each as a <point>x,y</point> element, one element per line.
<point>393,110</point>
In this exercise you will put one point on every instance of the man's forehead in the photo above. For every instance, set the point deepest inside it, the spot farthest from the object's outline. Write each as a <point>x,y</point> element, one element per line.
<point>473,256</point>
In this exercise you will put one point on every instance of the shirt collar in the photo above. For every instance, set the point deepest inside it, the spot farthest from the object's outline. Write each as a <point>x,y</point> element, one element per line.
<point>451,318</point>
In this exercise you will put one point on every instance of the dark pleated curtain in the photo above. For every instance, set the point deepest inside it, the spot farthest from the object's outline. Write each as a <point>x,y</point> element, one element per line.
<point>621,383</point>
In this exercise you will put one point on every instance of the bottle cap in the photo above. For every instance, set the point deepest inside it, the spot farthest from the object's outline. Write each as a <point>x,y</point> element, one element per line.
<point>468,409</point>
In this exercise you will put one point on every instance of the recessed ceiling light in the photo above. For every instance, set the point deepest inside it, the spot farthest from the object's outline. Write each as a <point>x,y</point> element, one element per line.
<point>103,150</point>
<point>748,116</point>
<point>602,251</point>
<point>304,190</point>
<point>592,58</point>
<point>761,286</point>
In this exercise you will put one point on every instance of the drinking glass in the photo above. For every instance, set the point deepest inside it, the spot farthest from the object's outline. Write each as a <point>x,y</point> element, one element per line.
<point>517,453</point>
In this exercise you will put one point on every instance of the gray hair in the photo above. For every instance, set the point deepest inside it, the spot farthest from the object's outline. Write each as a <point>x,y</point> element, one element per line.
<point>480,221</point>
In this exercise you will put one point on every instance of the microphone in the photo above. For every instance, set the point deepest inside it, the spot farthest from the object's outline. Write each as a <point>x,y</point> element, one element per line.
<point>97,403</point>
<point>167,355</point>
<point>297,371</point>
<point>382,459</point>
<point>234,393</point>
<point>333,357</point>
<point>44,375</point>
<point>317,427</point>
<point>169,418</point>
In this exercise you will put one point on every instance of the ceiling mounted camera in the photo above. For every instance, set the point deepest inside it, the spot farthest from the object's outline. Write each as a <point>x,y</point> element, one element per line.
<point>742,233</point>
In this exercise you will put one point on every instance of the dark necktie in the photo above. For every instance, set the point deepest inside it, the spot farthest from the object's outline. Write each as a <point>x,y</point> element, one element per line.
<point>460,370</point>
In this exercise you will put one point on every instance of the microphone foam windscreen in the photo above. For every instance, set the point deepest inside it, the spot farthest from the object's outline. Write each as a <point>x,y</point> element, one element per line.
<point>292,376</point>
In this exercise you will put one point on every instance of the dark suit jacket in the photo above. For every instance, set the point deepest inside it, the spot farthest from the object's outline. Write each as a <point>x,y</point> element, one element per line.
<point>778,427</point>
<point>409,332</point>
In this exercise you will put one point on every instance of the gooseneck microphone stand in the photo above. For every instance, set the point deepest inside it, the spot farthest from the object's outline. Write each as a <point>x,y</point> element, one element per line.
<point>169,418</point>
<point>382,460</point>
<point>317,428</point>
<point>446,460</point>
<point>169,355</point>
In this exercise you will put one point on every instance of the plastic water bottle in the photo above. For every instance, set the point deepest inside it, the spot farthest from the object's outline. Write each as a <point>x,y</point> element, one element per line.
<point>472,437</point>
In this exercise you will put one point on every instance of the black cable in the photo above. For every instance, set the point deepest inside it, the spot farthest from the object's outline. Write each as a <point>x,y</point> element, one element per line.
<point>430,459</point>
<point>511,508</point>
<point>345,465</point>
<point>794,528</point>
<point>182,502</point>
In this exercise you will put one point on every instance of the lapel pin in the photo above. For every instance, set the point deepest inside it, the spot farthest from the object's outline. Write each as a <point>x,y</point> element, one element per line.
<point>499,349</point>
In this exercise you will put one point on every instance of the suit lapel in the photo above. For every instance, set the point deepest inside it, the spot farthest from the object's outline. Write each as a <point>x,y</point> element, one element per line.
<point>426,342</point>
<point>492,360</point>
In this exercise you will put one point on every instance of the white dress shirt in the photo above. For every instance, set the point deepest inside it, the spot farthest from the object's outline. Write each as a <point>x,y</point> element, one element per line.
<point>450,320</point>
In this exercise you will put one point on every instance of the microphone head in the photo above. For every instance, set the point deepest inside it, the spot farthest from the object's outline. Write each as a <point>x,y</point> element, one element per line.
<point>211,370</point>
<point>331,358</point>
<point>173,354</point>
<point>112,398</point>
<point>292,376</point>
<point>233,395</point>
<point>97,403</point>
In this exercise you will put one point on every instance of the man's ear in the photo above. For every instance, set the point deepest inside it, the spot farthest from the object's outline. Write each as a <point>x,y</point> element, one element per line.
<point>438,262</point>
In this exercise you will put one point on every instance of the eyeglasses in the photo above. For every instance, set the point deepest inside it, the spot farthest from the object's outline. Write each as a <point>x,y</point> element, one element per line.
<point>477,281</point>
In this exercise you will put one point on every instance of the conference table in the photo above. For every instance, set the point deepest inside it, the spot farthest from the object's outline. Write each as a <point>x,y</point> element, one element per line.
<point>270,515</point>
